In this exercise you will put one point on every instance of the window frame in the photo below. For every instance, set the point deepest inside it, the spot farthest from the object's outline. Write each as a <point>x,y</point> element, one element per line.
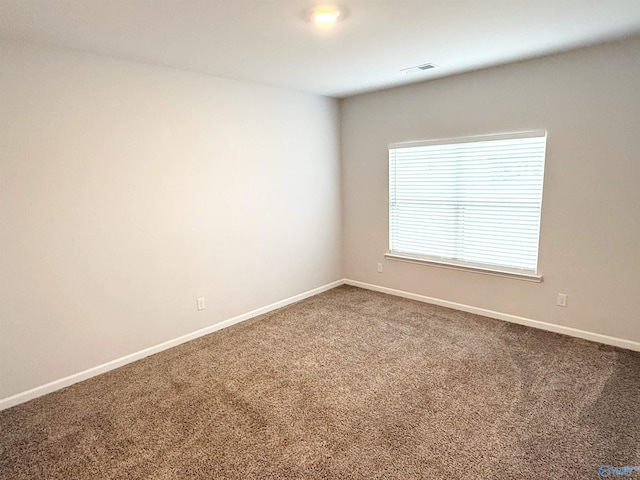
<point>441,262</point>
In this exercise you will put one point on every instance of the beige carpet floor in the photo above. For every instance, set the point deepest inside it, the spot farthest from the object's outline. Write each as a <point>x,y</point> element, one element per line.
<point>349,384</point>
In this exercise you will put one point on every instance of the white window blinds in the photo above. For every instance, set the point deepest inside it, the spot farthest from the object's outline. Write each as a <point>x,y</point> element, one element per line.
<point>470,201</point>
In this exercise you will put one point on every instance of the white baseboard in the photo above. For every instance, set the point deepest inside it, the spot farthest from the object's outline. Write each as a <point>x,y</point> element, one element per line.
<point>572,332</point>
<point>119,362</point>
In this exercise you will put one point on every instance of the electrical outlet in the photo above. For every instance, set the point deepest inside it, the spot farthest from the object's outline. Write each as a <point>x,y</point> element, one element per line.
<point>379,268</point>
<point>562,300</point>
<point>201,303</point>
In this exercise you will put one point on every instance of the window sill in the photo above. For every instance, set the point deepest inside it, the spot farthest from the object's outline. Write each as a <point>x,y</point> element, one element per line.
<point>496,272</point>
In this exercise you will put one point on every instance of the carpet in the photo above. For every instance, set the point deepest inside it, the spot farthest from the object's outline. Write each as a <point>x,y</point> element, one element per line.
<point>348,384</point>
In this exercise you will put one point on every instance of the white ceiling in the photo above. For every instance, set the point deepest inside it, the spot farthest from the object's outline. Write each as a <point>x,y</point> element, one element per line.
<point>271,42</point>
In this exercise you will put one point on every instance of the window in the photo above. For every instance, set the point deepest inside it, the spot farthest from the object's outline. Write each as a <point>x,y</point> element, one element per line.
<point>468,202</point>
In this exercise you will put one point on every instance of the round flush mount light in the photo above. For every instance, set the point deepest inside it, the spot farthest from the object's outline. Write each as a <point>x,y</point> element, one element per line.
<point>325,15</point>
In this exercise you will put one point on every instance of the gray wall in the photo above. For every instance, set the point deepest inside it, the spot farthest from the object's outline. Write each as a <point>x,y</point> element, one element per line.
<point>129,190</point>
<point>589,101</point>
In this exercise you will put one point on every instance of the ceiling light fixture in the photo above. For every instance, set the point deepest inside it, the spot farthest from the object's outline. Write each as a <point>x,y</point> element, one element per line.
<point>325,15</point>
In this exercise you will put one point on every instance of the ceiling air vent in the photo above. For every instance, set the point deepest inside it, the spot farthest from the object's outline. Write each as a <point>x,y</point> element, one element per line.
<point>418,68</point>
